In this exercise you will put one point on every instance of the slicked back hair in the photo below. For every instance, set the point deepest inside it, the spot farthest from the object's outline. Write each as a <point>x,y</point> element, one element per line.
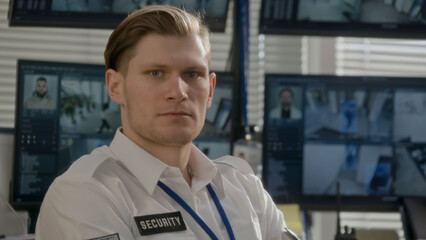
<point>163,20</point>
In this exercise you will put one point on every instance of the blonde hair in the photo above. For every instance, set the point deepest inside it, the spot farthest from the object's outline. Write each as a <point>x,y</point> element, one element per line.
<point>164,20</point>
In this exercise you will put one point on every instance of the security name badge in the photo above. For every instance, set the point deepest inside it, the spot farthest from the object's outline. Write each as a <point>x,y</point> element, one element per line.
<point>108,237</point>
<point>160,223</point>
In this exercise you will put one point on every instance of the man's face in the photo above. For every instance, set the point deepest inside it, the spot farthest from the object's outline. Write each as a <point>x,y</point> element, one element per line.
<point>166,91</point>
<point>286,99</point>
<point>41,88</point>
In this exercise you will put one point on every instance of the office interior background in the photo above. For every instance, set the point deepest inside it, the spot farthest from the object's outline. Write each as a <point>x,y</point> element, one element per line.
<point>268,53</point>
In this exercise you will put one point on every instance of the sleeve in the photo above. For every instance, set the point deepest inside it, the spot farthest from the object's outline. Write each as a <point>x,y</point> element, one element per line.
<point>271,219</point>
<point>81,211</point>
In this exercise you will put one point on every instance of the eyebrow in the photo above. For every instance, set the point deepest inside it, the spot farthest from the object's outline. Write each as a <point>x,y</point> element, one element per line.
<point>165,66</point>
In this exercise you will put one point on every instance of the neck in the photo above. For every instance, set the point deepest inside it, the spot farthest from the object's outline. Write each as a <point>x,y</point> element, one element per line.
<point>174,156</point>
<point>286,108</point>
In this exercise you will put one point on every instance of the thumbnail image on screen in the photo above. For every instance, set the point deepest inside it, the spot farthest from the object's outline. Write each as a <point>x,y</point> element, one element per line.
<point>86,107</point>
<point>336,114</point>
<point>286,103</point>
<point>410,114</point>
<point>361,170</point>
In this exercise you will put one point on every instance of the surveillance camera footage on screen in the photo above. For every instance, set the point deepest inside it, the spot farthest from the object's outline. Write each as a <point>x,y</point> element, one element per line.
<point>366,133</point>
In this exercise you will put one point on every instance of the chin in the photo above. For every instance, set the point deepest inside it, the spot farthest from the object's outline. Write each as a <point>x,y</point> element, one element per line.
<point>178,138</point>
<point>176,142</point>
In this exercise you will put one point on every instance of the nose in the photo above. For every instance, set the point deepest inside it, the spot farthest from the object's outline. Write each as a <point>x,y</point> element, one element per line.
<point>176,89</point>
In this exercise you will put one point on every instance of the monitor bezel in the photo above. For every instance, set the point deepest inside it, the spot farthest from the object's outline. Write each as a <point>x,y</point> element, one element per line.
<point>87,20</point>
<point>334,29</point>
<point>328,202</point>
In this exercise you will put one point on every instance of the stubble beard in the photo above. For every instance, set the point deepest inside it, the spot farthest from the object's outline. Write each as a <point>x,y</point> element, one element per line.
<point>41,95</point>
<point>158,135</point>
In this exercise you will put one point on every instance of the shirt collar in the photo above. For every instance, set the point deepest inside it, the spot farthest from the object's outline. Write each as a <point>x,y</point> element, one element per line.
<point>203,168</point>
<point>145,167</point>
<point>148,169</point>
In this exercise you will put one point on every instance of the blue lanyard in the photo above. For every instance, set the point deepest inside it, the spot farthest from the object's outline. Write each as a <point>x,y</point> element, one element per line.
<point>197,218</point>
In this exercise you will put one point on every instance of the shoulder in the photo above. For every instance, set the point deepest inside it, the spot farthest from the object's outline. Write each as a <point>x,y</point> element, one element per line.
<point>236,173</point>
<point>233,163</point>
<point>296,110</point>
<point>275,112</point>
<point>86,166</point>
<point>81,179</point>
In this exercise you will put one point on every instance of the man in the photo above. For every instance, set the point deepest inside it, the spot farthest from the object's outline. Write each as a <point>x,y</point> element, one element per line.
<point>40,98</point>
<point>152,182</point>
<point>286,109</point>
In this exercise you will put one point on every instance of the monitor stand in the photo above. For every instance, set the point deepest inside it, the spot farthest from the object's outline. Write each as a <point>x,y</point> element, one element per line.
<point>414,217</point>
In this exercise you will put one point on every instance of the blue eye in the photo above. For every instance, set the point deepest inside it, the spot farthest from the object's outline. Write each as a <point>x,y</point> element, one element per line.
<point>191,75</point>
<point>156,73</point>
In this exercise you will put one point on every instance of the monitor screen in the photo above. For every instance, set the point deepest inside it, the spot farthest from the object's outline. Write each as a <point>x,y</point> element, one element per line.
<point>104,13</point>
<point>365,133</point>
<point>63,111</point>
<point>215,140</point>
<point>371,18</point>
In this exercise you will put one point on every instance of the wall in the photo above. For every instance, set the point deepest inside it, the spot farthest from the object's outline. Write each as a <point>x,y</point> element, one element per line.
<point>6,162</point>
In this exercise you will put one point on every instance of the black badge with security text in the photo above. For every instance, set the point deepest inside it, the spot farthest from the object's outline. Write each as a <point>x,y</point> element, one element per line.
<point>160,223</point>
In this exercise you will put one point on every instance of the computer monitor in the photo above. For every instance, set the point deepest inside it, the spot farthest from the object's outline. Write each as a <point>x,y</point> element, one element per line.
<point>368,18</point>
<point>104,13</point>
<point>215,140</point>
<point>63,111</point>
<point>365,133</point>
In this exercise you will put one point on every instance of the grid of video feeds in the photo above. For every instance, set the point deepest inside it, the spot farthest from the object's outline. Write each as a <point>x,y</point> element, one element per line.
<point>367,134</point>
<point>368,140</point>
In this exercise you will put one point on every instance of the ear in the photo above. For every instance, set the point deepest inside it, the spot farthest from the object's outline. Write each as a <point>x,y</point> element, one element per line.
<point>212,82</point>
<point>114,82</point>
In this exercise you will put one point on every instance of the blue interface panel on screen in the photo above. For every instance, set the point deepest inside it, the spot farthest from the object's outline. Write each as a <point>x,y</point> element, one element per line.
<point>367,133</point>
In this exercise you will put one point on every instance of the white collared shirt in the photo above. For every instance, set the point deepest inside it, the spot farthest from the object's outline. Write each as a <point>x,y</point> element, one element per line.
<point>102,193</point>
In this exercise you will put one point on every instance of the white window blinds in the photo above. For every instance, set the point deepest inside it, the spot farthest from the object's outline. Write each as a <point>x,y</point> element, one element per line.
<point>386,57</point>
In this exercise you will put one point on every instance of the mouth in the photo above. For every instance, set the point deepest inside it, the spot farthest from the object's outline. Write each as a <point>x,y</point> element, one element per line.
<point>176,114</point>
